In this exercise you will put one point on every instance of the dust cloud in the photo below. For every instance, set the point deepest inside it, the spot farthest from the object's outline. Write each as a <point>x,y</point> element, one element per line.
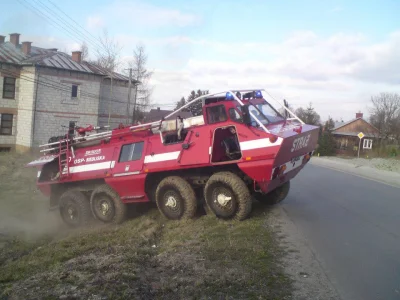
<point>24,211</point>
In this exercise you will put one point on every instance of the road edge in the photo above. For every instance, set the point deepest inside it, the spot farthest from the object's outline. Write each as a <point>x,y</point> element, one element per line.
<point>385,177</point>
<point>300,261</point>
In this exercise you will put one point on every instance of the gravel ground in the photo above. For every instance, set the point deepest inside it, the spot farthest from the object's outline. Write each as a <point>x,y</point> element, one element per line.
<point>385,164</point>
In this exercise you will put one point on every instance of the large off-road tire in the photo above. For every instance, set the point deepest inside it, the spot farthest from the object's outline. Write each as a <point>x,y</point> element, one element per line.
<point>176,198</point>
<point>74,208</point>
<point>274,197</point>
<point>106,205</point>
<point>227,196</point>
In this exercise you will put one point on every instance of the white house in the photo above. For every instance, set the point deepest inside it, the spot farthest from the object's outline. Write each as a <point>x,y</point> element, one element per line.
<point>43,89</point>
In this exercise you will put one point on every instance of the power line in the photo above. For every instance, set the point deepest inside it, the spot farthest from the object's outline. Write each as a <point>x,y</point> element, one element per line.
<point>94,38</point>
<point>67,88</point>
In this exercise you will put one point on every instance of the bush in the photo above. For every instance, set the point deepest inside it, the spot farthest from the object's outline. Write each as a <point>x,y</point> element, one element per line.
<point>326,144</point>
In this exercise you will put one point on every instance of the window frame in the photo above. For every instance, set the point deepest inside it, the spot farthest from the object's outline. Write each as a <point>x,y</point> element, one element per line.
<point>7,127</point>
<point>215,107</point>
<point>132,152</point>
<point>77,91</point>
<point>9,84</point>
<point>367,143</point>
<point>235,111</point>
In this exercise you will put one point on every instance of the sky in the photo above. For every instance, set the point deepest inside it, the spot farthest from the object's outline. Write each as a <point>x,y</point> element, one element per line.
<point>333,54</point>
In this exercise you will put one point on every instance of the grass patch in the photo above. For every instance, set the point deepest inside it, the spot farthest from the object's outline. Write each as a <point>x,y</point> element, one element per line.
<point>147,257</point>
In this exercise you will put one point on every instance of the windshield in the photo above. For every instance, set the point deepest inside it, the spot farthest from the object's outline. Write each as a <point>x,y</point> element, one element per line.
<point>265,113</point>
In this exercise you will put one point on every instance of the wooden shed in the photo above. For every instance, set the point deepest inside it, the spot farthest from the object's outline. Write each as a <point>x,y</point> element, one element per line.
<point>346,136</point>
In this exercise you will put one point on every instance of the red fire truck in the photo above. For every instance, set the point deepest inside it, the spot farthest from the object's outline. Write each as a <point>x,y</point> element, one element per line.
<point>240,148</point>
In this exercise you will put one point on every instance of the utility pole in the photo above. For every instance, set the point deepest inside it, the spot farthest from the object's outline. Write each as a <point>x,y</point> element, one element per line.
<point>129,97</point>
<point>109,102</point>
<point>134,101</point>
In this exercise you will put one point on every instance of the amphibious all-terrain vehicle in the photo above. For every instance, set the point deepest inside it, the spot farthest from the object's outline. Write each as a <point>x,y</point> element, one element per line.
<point>239,147</point>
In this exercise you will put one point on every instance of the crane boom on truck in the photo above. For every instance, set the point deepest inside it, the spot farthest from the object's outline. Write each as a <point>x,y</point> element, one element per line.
<point>240,148</point>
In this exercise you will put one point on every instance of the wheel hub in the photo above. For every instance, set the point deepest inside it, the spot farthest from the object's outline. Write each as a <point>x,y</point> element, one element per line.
<point>104,208</point>
<point>71,213</point>
<point>222,199</point>
<point>171,202</point>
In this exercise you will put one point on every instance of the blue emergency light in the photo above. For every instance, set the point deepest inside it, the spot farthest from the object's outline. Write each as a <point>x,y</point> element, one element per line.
<point>229,96</point>
<point>258,94</point>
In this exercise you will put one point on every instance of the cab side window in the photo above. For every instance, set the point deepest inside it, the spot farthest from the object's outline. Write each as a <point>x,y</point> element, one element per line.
<point>216,114</point>
<point>131,152</point>
<point>235,116</point>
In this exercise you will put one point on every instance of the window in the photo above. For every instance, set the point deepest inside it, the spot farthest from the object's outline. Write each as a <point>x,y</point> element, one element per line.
<point>9,88</point>
<point>74,92</point>
<point>367,144</point>
<point>6,124</point>
<point>265,113</point>
<point>5,149</point>
<point>131,152</point>
<point>235,116</point>
<point>216,114</point>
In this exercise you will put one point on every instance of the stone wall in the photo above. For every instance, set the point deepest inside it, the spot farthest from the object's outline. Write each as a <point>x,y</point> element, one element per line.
<point>9,106</point>
<point>26,98</point>
<point>56,106</point>
<point>118,105</point>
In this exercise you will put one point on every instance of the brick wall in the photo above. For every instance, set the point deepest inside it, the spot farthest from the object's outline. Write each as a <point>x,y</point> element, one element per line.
<point>25,107</point>
<point>55,105</point>
<point>118,107</point>
<point>9,106</point>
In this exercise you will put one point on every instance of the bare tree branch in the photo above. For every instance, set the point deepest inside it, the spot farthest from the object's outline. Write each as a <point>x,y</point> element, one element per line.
<point>85,51</point>
<point>108,56</point>
<point>385,114</point>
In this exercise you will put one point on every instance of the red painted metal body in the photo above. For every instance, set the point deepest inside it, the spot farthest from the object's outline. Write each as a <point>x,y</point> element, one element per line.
<point>263,154</point>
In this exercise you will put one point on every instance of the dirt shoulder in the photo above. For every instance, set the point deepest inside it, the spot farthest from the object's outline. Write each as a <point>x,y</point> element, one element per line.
<point>383,170</point>
<point>147,257</point>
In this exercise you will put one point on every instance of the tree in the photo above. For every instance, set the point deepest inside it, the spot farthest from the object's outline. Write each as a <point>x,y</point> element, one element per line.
<point>180,103</point>
<point>308,115</point>
<point>108,55</point>
<point>330,124</point>
<point>326,144</point>
<point>84,51</point>
<point>141,74</point>
<point>385,114</point>
<point>197,107</point>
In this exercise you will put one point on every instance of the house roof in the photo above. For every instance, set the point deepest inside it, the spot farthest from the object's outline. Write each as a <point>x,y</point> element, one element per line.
<point>348,133</point>
<point>157,114</point>
<point>341,124</point>
<point>51,58</point>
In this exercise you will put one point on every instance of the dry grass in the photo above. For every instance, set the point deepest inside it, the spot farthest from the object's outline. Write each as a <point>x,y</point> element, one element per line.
<point>147,257</point>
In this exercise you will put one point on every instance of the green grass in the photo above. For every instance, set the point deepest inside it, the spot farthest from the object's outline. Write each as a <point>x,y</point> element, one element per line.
<point>147,257</point>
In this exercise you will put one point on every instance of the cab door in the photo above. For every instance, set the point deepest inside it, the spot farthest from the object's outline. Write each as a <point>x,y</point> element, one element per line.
<point>127,177</point>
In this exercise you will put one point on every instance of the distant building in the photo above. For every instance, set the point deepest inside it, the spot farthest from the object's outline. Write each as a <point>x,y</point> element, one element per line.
<point>43,89</point>
<point>157,114</point>
<point>346,139</point>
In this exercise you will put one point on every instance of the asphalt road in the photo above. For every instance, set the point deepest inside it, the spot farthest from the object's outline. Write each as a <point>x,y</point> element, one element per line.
<point>353,225</point>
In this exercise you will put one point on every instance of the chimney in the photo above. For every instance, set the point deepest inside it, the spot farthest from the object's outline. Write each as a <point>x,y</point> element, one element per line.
<point>14,39</point>
<point>2,39</point>
<point>77,56</point>
<point>26,48</point>
<point>359,115</point>
<point>53,49</point>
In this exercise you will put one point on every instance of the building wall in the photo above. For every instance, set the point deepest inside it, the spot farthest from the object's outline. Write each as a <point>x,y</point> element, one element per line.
<point>56,107</point>
<point>118,105</point>
<point>348,145</point>
<point>9,106</point>
<point>25,108</point>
